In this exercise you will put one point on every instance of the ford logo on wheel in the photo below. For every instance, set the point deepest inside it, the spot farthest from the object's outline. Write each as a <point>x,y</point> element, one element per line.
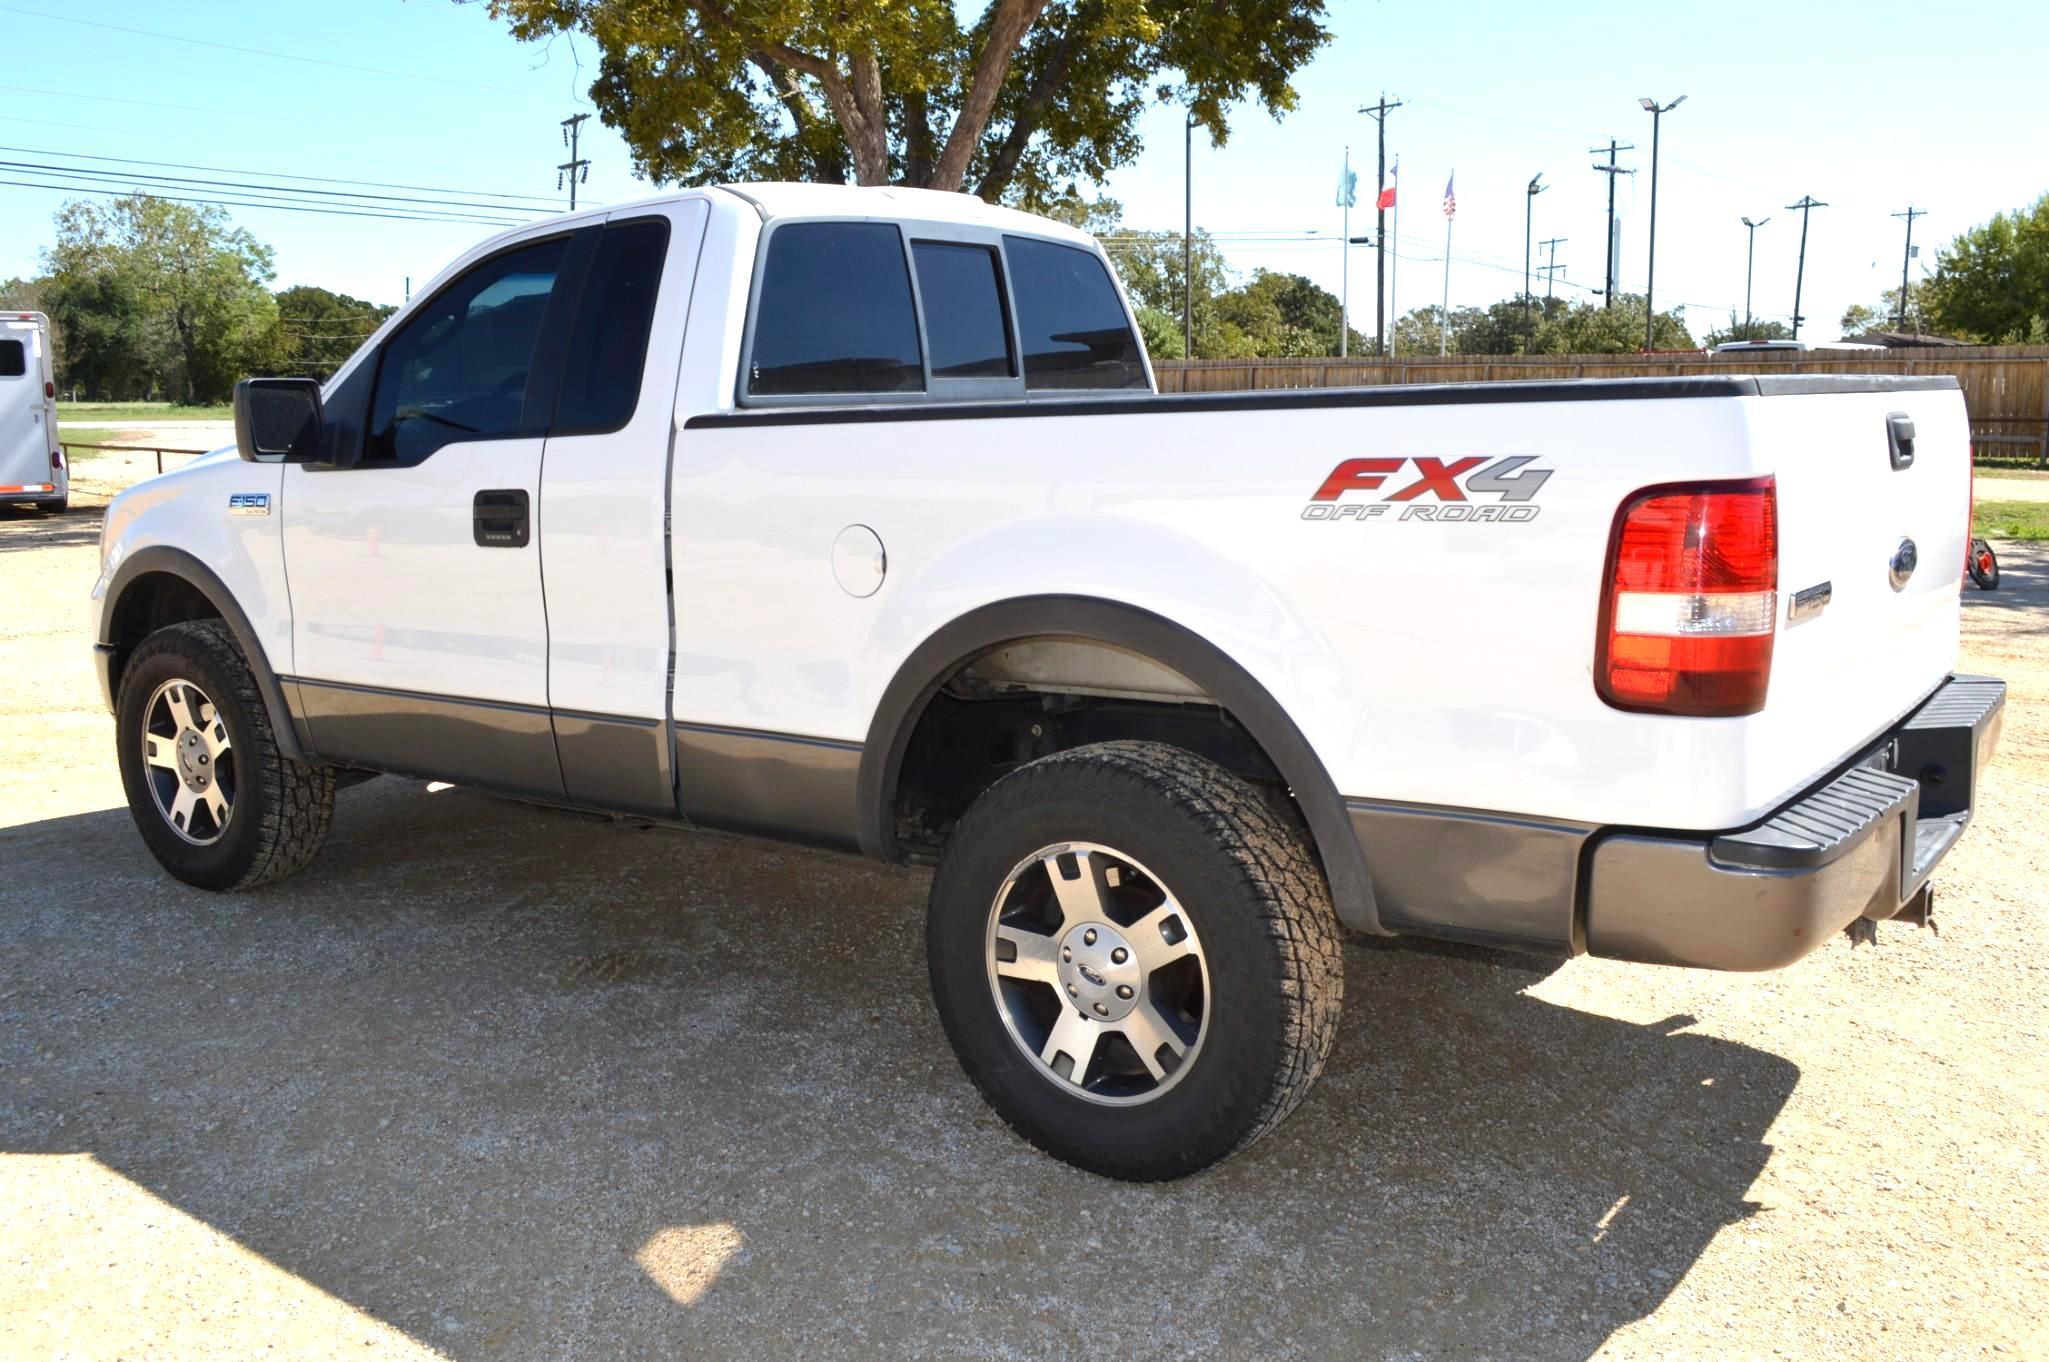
<point>1090,975</point>
<point>1905,559</point>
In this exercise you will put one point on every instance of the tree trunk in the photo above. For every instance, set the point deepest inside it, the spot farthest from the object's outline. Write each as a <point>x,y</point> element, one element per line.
<point>1006,31</point>
<point>918,148</point>
<point>1051,78</point>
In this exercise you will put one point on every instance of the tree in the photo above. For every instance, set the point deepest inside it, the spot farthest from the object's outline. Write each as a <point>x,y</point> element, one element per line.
<point>103,327</point>
<point>1031,96</point>
<point>1759,329</point>
<point>201,281</point>
<point>318,330</point>
<point>1992,283</point>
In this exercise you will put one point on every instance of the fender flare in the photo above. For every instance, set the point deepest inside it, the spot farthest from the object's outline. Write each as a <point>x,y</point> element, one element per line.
<point>161,558</point>
<point>956,644</point>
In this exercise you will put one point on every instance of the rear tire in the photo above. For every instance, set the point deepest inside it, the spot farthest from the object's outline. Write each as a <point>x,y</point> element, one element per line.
<point>216,802</point>
<point>1136,903</point>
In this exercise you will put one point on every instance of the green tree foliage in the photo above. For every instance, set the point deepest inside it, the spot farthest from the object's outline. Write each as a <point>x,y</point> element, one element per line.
<point>1759,329</point>
<point>318,330</point>
<point>1028,97</point>
<point>1549,326</point>
<point>1992,283</point>
<point>170,295</point>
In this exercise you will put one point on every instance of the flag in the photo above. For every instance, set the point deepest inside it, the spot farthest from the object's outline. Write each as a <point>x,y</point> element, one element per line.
<point>1348,187</point>
<point>1386,200</point>
<point>1450,199</point>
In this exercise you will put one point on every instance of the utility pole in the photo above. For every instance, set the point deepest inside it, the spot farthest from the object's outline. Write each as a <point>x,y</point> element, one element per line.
<point>1380,112</point>
<point>1529,218</point>
<point>572,130</point>
<point>1907,258</point>
<point>1551,270</point>
<point>1749,267</point>
<point>1806,205</point>
<point>1188,239</point>
<point>1650,308</point>
<point>1611,170</point>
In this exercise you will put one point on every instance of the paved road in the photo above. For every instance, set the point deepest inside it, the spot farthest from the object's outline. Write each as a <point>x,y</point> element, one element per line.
<point>493,1083</point>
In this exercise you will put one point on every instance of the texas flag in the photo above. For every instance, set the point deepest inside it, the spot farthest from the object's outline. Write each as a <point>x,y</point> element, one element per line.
<point>1386,200</point>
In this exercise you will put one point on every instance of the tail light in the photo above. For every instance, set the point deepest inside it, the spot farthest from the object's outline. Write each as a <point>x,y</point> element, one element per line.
<point>1691,600</point>
<point>49,390</point>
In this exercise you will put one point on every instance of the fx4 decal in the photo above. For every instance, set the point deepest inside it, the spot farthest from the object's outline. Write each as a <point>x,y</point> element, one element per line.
<point>1437,490</point>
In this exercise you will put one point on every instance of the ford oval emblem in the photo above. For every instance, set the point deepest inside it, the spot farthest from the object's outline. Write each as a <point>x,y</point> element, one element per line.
<point>1905,559</point>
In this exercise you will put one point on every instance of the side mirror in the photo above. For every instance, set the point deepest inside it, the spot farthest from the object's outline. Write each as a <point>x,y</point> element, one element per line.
<point>278,420</point>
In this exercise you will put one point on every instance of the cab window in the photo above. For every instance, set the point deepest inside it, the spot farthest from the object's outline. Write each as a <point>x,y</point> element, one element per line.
<point>1073,324</point>
<point>459,370</point>
<point>834,314</point>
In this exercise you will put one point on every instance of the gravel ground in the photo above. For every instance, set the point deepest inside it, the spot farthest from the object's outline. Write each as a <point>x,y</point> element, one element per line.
<point>492,1083</point>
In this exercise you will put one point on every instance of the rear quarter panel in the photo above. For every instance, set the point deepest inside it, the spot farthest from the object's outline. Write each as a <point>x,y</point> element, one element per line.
<point>1426,662</point>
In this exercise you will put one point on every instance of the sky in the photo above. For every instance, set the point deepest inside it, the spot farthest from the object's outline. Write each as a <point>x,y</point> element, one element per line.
<point>1870,107</point>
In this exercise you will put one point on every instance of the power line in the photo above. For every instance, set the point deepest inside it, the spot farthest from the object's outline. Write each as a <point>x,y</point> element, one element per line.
<point>326,210</point>
<point>572,130</point>
<point>263,52</point>
<point>274,174</point>
<point>426,209</point>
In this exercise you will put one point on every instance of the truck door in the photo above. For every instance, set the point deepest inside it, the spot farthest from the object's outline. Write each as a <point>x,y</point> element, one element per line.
<point>604,498</point>
<point>26,434</point>
<point>419,635</point>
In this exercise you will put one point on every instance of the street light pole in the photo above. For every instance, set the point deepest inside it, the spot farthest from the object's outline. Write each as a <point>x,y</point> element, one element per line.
<point>1749,267</point>
<point>1529,219</point>
<point>1650,307</point>
<point>1188,240</point>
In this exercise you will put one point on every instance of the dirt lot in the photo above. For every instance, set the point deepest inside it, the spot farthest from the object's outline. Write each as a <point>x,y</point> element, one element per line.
<point>493,1083</point>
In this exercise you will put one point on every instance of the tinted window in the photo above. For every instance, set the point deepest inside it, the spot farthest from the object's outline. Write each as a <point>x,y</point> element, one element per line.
<point>965,325</point>
<point>13,359</point>
<point>458,371</point>
<point>835,313</point>
<point>608,346</point>
<point>1074,328</point>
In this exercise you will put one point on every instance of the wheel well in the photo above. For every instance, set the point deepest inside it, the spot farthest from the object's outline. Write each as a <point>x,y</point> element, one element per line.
<point>149,603</point>
<point>1029,698</point>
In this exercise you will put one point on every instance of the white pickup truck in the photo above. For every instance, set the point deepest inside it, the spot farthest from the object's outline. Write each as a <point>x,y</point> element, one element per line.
<point>851,517</point>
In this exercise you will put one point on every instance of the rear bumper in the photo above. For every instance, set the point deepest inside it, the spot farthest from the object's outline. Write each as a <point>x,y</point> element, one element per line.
<point>1860,844</point>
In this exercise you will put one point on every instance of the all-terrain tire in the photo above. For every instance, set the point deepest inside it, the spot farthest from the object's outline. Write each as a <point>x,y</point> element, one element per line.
<point>282,808</point>
<point>1259,906</point>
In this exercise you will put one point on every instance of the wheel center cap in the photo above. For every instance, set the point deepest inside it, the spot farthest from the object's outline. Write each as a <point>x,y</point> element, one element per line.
<point>1099,972</point>
<point>195,768</point>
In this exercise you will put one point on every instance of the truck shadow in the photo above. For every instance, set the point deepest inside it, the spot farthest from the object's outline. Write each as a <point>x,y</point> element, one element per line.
<point>24,527</point>
<point>529,1085</point>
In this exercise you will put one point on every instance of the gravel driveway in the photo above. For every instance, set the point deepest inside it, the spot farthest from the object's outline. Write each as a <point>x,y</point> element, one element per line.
<point>491,1083</point>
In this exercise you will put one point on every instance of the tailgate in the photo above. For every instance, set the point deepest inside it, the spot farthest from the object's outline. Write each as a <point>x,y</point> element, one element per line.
<point>1873,483</point>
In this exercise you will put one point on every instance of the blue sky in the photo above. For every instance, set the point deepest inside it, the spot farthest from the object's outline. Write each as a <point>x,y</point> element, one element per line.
<point>1869,107</point>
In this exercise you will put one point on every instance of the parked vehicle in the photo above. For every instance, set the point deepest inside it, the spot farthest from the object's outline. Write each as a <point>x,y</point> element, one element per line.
<point>864,527</point>
<point>31,461</point>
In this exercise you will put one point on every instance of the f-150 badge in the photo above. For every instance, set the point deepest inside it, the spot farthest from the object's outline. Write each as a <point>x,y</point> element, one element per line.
<point>248,503</point>
<point>1437,491</point>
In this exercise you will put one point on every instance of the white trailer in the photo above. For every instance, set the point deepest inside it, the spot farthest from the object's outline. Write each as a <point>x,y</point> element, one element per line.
<point>31,462</point>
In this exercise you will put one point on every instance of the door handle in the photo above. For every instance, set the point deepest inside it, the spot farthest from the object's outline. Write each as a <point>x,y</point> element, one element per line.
<point>499,518</point>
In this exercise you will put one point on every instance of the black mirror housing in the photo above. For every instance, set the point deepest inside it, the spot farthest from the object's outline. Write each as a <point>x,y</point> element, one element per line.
<point>278,420</point>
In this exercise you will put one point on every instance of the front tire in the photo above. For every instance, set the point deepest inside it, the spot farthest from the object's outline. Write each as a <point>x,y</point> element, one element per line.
<point>1135,958</point>
<point>217,803</point>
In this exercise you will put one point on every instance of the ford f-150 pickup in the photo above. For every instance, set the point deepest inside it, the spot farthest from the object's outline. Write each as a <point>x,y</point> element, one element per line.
<point>852,517</point>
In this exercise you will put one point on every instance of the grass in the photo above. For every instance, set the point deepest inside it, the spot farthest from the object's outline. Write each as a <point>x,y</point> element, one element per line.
<point>2011,520</point>
<point>2024,474</point>
<point>140,411</point>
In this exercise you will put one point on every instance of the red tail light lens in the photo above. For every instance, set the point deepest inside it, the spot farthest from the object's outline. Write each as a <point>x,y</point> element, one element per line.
<point>1691,600</point>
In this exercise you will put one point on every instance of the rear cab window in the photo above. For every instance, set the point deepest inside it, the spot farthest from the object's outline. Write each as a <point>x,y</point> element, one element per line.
<point>870,311</point>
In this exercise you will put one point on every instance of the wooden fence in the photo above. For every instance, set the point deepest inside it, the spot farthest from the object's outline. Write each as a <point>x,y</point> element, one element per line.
<point>2006,388</point>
